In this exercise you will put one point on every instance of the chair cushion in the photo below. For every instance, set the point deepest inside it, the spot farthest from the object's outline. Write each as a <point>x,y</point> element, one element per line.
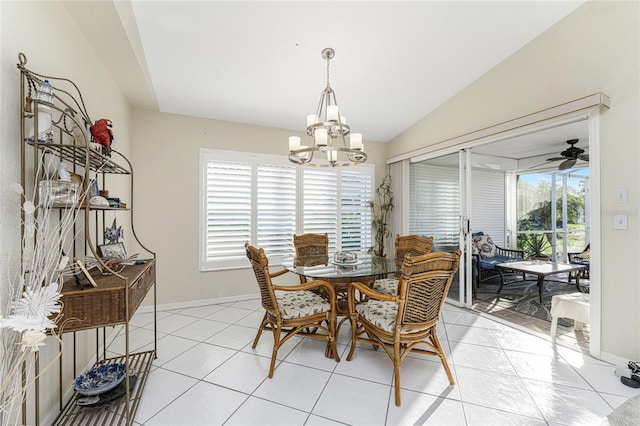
<point>580,262</point>
<point>386,286</point>
<point>382,314</point>
<point>298,304</point>
<point>485,245</point>
<point>491,262</point>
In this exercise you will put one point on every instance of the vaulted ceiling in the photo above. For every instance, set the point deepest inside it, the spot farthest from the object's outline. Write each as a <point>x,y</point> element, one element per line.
<point>260,63</point>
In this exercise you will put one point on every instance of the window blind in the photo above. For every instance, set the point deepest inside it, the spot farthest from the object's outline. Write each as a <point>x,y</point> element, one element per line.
<point>434,204</point>
<point>320,200</point>
<point>264,200</point>
<point>228,211</point>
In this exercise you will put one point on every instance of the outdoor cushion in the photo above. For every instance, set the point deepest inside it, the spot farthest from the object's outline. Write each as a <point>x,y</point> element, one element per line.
<point>491,262</point>
<point>485,245</point>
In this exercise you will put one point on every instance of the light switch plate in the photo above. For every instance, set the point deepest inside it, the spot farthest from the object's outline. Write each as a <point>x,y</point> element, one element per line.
<point>622,195</point>
<point>620,221</point>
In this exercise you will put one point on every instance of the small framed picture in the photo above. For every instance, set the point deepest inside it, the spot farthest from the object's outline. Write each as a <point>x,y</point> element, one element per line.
<point>112,251</point>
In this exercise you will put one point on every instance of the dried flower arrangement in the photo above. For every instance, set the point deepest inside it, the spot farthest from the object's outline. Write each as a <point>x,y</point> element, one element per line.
<point>32,310</point>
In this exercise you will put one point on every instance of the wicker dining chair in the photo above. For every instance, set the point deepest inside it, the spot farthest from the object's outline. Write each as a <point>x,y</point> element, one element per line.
<point>311,245</point>
<point>407,321</point>
<point>414,245</point>
<point>294,310</point>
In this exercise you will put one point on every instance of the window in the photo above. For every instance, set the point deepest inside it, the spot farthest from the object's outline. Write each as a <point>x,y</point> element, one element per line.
<point>563,225</point>
<point>264,199</point>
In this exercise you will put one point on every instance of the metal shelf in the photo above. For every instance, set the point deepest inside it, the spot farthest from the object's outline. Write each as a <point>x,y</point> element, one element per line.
<point>115,412</point>
<point>77,154</point>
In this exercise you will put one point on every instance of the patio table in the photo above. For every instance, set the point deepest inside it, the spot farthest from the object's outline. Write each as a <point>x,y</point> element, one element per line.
<point>540,269</point>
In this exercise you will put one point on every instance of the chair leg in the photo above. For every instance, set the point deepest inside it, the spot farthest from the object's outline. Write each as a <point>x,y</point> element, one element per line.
<point>353,319</point>
<point>396,371</point>
<point>260,330</point>
<point>276,346</point>
<point>445,364</point>
<point>333,337</point>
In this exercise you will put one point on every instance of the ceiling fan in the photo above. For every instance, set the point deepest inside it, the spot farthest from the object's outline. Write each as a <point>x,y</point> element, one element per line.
<point>570,156</point>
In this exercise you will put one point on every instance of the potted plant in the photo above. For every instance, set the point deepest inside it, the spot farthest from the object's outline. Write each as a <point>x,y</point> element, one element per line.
<point>381,213</point>
<point>535,245</point>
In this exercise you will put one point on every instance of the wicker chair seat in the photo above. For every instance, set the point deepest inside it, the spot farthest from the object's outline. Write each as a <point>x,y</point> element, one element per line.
<point>383,315</point>
<point>414,245</point>
<point>301,304</point>
<point>386,286</point>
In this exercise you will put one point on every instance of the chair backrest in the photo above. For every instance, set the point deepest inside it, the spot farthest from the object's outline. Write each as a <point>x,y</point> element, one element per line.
<point>260,265</point>
<point>423,287</point>
<point>415,245</point>
<point>311,244</point>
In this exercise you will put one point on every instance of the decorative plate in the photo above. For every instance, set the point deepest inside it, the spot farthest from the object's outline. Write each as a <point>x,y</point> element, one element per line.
<point>99,379</point>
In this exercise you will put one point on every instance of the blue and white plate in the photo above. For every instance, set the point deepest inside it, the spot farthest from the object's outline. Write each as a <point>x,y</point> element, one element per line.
<point>100,379</point>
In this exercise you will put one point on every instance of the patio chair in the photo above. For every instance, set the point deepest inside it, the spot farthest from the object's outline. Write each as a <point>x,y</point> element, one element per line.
<point>415,245</point>
<point>311,245</point>
<point>582,258</point>
<point>294,310</point>
<point>406,322</point>
<point>486,255</point>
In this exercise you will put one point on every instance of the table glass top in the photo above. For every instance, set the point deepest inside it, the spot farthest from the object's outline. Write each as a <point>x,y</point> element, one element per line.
<point>323,267</point>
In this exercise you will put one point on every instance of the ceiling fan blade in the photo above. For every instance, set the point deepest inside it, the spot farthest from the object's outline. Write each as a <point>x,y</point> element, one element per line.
<point>567,164</point>
<point>556,158</point>
<point>584,157</point>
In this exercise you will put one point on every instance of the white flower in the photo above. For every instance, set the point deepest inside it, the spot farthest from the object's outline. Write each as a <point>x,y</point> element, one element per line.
<point>16,187</point>
<point>32,340</point>
<point>29,208</point>
<point>34,309</point>
<point>63,262</point>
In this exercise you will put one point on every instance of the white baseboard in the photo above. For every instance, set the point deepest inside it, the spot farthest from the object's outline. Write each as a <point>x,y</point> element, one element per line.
<point>616,360</point>
<point>197,303</point>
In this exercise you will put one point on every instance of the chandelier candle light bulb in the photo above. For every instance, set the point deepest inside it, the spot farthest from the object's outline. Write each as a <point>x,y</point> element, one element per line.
<point>327,131</point>
<point>320,137</point>
<point>294,143</point>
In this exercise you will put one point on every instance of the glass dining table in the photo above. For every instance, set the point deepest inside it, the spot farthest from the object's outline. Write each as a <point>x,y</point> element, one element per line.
<point>366,269</point>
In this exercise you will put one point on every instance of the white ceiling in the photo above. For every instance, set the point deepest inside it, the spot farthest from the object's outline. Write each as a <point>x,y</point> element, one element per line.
<point>259,62</point>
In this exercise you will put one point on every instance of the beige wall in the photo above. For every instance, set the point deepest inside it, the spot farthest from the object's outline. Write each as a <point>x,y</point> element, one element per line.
<point>165,153</point>
<point>595,49</point>
<point>54,46</point>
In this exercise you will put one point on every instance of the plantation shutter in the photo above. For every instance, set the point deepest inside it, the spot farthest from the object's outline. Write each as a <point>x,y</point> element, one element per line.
<point>264,200</point>
<point>320,203</point>
<point>435,204</point>
<point>356,188</point>
<point>276,215</point>
<point>488,204</point>
<point>228,215</point>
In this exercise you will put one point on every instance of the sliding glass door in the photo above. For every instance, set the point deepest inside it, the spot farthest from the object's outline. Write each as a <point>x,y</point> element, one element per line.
<point>437,208</point>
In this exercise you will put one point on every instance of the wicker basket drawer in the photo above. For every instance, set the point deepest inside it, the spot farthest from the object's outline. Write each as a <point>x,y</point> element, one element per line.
<point>104,305</point>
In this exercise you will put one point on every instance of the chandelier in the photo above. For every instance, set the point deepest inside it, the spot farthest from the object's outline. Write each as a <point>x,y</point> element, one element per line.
<point>327,145</point>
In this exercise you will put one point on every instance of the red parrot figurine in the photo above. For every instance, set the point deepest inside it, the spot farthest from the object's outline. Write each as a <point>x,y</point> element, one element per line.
<point>102,133</point>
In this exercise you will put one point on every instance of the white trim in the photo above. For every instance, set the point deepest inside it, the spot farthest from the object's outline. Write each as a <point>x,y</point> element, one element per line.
<point>462,141</point>
<point>595,270</point>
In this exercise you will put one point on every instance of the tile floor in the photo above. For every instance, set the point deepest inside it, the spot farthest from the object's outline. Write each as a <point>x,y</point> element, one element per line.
<point>207,374</point>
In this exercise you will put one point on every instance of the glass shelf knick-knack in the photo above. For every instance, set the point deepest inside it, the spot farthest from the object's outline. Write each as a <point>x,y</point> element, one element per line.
<point>44,93</point>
